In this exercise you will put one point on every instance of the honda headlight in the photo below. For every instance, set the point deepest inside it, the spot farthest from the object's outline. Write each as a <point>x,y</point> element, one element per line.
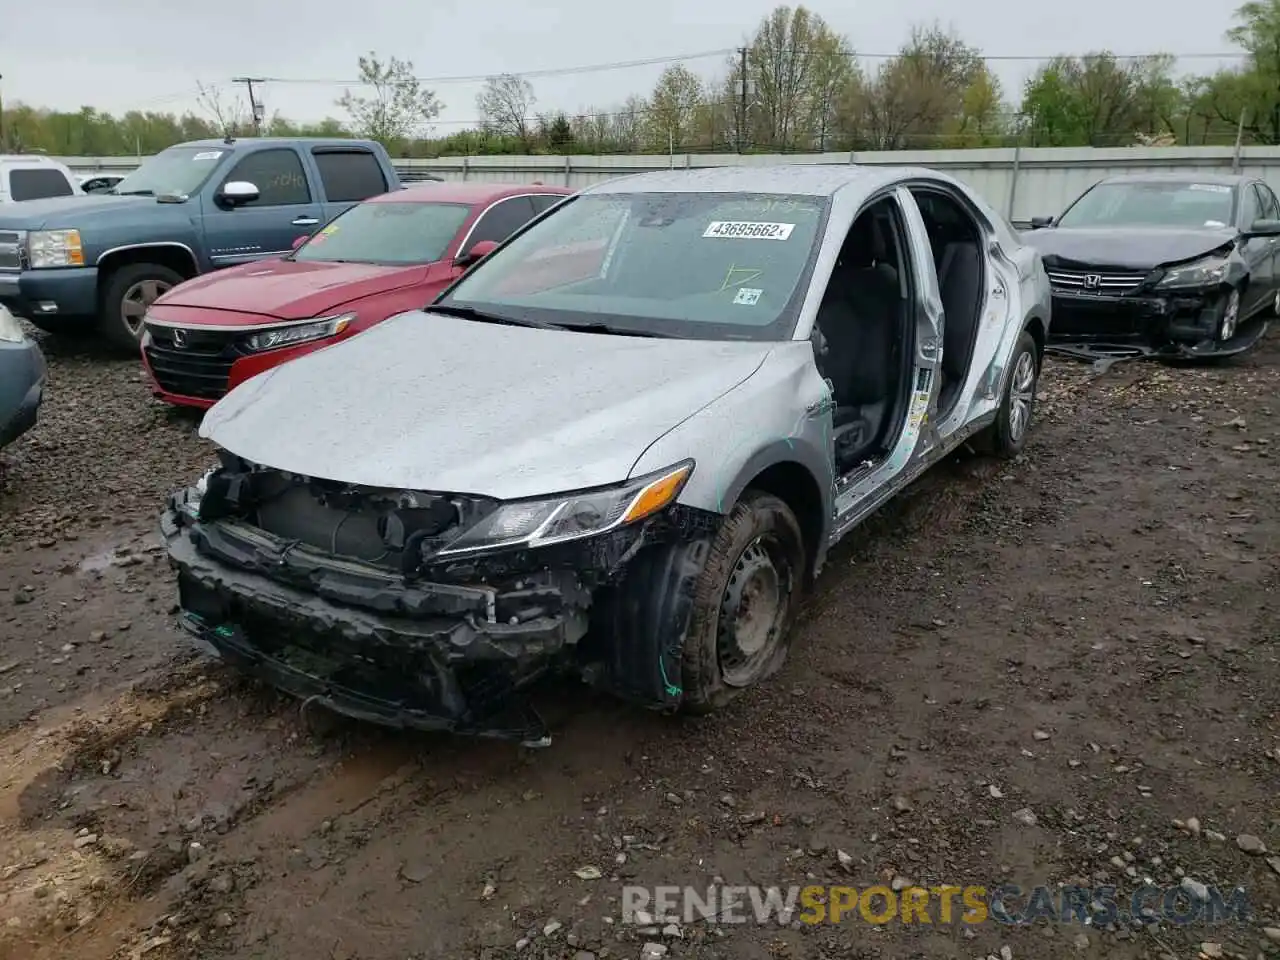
<point>538,523</point>
<point>316,329</point>
<point>10,330</point>
<point>55,248</point>
<point>1208,272</point>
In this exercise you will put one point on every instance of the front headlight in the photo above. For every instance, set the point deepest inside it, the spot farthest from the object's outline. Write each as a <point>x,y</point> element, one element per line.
<point>55,248</point>
<point>10,330</point>
<point>538,523</point>
<point>299,333</point>
<point>1208,272</point>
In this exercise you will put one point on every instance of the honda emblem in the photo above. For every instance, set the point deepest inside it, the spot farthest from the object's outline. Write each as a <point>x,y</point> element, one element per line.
<point>1092,281</point>
<point>179,338</point>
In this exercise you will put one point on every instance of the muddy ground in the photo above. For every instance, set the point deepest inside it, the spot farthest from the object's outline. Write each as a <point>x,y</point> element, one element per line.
<point>1089,634</point>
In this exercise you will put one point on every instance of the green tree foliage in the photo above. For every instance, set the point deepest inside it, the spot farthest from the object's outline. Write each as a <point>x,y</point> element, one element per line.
<point>799,87</point>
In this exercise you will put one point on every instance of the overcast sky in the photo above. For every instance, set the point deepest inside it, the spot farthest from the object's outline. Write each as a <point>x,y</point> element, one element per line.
<point>149,54</point>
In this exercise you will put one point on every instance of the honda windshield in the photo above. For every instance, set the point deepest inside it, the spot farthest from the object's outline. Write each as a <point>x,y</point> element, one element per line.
<point>1153,203</point>
<point>386,233</point>
<point>696,265</point>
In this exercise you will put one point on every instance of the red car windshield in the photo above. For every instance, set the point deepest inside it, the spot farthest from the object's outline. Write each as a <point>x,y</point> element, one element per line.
<point>386,233</point>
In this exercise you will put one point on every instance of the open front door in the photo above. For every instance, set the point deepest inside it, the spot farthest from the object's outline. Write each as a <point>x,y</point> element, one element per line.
<point>903,376</point>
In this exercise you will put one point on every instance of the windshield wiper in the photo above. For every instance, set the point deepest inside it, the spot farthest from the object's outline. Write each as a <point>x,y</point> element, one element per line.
<point>134,193</point>
<point>471,313</point>
<point>598,327</point>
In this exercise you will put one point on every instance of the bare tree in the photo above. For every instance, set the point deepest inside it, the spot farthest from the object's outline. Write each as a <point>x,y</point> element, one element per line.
<point>505,105</point>
<point>228,113</point>
<point>627,124</point>
<point>398,103</point>
<point>781,65</point>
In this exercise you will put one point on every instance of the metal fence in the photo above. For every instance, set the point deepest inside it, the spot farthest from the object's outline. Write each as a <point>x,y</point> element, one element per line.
<point>1021,182</point>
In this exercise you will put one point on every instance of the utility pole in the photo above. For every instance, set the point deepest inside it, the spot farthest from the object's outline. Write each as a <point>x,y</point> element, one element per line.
<point>742,98</point>
<point>254,105</point>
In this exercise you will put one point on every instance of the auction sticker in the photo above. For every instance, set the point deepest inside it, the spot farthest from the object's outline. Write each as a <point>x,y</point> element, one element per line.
<point>1211,187</point>
<point>208,155</point>
<point>749,230</point>
<point>748,296</point>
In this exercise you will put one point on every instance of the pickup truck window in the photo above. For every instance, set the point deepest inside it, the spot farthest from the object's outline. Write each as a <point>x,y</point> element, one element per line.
<point>179,170</point>
<point>36,184</point>
<point>277,174</point>
<point>350,175</point>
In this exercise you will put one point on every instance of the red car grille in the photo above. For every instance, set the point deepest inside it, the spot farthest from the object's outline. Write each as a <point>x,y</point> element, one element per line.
<point>191,362</point>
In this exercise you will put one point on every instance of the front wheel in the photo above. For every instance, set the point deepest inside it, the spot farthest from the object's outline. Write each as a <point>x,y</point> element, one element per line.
<point>745,603</point>
<point>1008,435</point>
<point>125,298</point>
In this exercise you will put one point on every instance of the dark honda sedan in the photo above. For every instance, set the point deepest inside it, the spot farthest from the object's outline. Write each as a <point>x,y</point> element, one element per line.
<point>1180,265</point>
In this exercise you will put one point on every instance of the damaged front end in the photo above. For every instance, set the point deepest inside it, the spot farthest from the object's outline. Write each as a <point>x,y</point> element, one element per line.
<point>1187,311</point>
<point>423,610</point>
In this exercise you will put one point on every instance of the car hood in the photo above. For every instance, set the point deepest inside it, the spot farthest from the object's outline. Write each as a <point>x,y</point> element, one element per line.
<point>430,402</point>
<point>66,211</point>
<point>1139,248</point>
<point>289,290</point>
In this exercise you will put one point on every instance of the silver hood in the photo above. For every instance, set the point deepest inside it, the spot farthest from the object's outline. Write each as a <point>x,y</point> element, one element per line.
<point>430,402</point>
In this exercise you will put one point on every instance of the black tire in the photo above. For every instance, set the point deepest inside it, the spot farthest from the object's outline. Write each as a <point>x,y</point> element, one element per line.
<point>125,289</point>
<point>759,547</point>
<point>1008,435</point>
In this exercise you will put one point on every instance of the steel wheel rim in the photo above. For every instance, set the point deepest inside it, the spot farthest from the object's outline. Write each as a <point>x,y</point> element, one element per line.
<point>133,307</point>
<point>1022,392</point>
<point>1230,316</point>
<point>753,611</point>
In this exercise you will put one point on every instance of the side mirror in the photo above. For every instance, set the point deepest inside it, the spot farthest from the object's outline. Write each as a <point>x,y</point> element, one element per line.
<point>479,250</point>
<point>1263,228</point>
<point>300,241</point>
<point>1039,223</point>
<point>236,192</point>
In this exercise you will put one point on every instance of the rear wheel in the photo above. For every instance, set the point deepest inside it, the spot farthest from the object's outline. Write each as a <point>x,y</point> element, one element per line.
<point>745,603</point>
<point>126,296</point>
<point>1008,435</point>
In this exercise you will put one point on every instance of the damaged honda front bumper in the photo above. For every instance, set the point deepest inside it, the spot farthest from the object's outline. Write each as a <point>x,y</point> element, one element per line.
<point>450,645</point>
<point>1175,325</point>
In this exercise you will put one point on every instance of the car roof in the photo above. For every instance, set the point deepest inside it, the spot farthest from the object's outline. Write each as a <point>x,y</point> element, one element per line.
<point>804,179</point>
<point>1181,176</point>
<point>470,192</point>
<point>31,159</point>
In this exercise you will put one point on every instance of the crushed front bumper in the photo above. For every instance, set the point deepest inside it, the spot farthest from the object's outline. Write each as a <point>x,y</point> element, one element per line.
<point>1175,326</point>
<point>450,653</point>
<point>427,656</point>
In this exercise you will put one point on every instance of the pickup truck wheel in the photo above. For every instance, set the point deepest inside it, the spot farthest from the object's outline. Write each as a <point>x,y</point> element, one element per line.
<point>745,603</point>
<point>125,298</point>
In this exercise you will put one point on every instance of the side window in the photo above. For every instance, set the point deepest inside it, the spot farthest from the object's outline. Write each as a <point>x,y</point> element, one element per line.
<point>502,220</point>
<point>277,174</point>
<point>545,201</point>
<point>350,175</point>
<point>38,183</point>
<point>1270,205</point>
<point>1253,205</point>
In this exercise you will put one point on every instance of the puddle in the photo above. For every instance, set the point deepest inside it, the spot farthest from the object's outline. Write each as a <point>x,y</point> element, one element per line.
<point>120,555</point>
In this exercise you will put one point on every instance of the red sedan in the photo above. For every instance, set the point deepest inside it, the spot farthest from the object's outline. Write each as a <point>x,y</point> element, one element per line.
<point>389,254</point>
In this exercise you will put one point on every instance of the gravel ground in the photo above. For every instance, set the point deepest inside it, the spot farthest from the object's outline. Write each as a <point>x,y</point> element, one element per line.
<point>1062,670</point>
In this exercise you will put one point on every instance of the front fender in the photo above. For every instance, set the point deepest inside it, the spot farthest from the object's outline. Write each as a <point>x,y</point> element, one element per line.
<point>779,415</point>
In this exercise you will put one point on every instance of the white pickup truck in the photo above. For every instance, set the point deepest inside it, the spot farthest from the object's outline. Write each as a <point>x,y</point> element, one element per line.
<point>34,177</point>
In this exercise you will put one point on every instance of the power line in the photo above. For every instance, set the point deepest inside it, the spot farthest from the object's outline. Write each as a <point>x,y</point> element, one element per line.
<point>681,58</point>
<point>526,74</point>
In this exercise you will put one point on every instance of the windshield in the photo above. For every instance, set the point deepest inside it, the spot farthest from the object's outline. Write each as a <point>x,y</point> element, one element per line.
<point>1153,204</point>
<point>178,171</point>
<point>391,233</point>
<point>696,265</point>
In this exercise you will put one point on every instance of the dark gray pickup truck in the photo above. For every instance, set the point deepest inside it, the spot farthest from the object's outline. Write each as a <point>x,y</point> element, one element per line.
<point>70,263</point>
